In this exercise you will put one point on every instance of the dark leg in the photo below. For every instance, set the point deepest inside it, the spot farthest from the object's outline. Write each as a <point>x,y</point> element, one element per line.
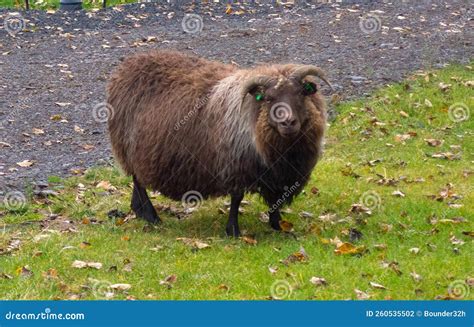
<point>232,228</point>
<point>141,204</point>
<point>275,218</point>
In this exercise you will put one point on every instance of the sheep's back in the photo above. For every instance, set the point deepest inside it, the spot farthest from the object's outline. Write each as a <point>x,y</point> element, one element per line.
<point>159,130</point>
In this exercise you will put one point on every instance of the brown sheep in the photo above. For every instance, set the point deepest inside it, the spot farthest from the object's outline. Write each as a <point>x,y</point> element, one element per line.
<point>184,125</point>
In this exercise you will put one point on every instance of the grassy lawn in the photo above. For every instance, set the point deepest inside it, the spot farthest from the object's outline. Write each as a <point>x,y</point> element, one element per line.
<point>54,4</point>
<point>405,155</point>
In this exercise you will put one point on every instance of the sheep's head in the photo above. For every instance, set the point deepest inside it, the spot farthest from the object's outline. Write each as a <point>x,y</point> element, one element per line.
<point>283,102</point>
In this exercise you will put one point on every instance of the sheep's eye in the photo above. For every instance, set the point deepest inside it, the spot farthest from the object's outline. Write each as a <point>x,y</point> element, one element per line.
<point>259,96</point>
<point>309,88</point>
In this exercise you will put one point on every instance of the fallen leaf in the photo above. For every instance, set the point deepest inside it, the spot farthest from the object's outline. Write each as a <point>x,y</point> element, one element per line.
<point>63,104</point>
<point>379,286</point>
<point>272,270</point>
<point>24,272</point>
<point>444,87</point>
<point>169,280</point>
<point>398,193</point>
<point>404,114</point>
<point>318,281</point>
<point>428,103</point>
<point>25,163</point>
<point>121,287</point>
<point>349,248</point>
<point>82,264</point>
<point>194,243</point>
<point>360,209</point>
<point>456,241</point>
<point>361,295</point>
<point>37,131</point>
<point>300,256</point>
<point>433,142</point>
<point>414,250</point>
<point>249,240</point>
<point>415,276</point>
<point>106,186</point>
<point>286,226</point>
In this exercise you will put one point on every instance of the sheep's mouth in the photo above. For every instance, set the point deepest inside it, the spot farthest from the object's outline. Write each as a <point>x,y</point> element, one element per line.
<point>288,132</point>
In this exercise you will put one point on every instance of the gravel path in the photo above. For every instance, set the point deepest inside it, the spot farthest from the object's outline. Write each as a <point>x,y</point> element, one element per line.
<point>53,73</point>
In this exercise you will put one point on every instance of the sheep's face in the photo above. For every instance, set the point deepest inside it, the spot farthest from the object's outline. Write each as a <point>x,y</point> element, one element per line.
<point>283,104</point>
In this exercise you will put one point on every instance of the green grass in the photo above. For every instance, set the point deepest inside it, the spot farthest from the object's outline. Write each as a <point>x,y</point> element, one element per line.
<point>54,4</point>
<point>234,269</point>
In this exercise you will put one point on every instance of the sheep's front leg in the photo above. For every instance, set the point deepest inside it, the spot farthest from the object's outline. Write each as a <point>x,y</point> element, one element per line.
<point>275,218</point>
<point>232,228</point>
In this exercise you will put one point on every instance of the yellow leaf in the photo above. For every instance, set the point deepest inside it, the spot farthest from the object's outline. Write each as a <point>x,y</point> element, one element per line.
<point>349,248</point>
<point>286,226</point>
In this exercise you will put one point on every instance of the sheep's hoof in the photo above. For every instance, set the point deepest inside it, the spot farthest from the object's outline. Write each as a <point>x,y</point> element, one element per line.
<point>149,214</point>
<point>232,232</point>
<point>275,225</point>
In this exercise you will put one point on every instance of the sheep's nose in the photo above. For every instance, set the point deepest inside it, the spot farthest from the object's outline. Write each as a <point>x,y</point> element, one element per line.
<point>291,122</point>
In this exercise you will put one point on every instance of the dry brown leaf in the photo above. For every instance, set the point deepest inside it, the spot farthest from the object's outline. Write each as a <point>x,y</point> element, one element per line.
<point>433,142</point>
<point>37,131</point>
<point>63,104</point>
<point>379,286</point>
<point>361,295</point>
<point>286,226</point>
<point>318,281</point>
<point>25,163</point>
<point>398,193</point>
<point>83,264</point>
<point>249,240</point>
<point>300,256</point>
<point>121,287</point>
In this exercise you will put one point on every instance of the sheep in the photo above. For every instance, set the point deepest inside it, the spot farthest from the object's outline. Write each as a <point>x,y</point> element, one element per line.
<point>185,125</point>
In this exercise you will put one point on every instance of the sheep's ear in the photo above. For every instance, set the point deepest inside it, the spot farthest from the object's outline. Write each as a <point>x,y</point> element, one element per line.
<point>309,70</point>
<point>254,84</point>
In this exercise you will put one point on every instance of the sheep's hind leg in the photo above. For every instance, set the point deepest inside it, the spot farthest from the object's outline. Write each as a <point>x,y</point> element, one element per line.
<point>142,205</point>
<point>232,228</point>
<point>275,218</point>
